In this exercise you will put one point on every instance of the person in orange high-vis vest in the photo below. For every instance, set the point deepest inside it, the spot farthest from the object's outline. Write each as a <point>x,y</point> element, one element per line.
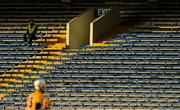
<point>36,100</point>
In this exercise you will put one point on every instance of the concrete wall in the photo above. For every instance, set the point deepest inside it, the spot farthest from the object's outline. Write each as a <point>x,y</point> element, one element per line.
<point>78,30</point>
<point>104,24</point>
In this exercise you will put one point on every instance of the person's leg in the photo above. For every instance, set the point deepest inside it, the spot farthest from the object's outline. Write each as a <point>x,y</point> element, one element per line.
<point>30,39</point>
<point>25,37</point>
<point>33,37</point>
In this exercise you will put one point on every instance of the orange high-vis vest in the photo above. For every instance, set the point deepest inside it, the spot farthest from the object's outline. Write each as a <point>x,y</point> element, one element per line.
<point>33,99</point>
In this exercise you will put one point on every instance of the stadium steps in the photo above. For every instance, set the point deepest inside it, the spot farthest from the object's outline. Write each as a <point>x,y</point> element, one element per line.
<point>51,25</point>
<point>18,69</point>
<point>10,76</point>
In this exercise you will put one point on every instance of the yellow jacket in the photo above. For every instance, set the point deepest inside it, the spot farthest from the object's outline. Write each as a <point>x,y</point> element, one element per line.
<point>34,100</point>
<point>32,30</point>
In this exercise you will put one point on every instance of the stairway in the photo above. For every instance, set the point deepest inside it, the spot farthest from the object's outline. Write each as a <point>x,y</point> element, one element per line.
<point>17,60</point>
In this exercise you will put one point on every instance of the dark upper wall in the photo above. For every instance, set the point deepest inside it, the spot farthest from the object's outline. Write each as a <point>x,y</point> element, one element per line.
<point>132,8</point>
<point>29,1</point>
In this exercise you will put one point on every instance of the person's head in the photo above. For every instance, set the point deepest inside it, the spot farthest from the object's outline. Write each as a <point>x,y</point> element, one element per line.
<point>40,85</point>
<point>31,22</point>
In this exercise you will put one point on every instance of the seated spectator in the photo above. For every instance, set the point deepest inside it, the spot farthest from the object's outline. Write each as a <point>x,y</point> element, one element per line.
<point>31,33</point>
<point>36,100</point>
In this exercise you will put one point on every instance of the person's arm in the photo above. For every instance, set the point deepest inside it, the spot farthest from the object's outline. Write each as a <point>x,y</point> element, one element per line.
<point>29,101</point>
<point>27,31</point>
<point>46,104</point>
<point>34,30</point>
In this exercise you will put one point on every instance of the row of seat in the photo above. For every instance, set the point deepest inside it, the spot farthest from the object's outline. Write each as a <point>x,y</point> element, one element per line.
<point>147,88</point>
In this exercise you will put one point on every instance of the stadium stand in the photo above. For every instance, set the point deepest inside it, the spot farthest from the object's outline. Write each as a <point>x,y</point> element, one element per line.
<point>130,71</point>
<point>136,71</point>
